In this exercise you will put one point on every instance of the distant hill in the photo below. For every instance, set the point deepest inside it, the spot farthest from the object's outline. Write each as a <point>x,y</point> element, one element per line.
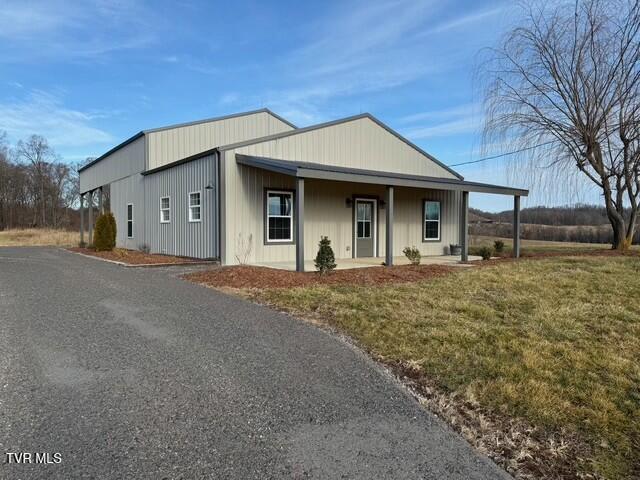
<point>579,214</point>
<point>578,223</point>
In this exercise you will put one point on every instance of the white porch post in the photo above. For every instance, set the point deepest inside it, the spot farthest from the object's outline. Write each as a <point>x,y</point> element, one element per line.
<point>464,226</point>
<point>299,220</point>
<point>389,232</point>
<point>516,226</point>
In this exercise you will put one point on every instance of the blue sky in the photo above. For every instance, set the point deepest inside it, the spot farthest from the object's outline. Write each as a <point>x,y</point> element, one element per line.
<point>89,74</point>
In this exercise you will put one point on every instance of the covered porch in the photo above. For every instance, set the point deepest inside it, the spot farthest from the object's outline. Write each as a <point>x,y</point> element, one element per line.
<point>313,183</point>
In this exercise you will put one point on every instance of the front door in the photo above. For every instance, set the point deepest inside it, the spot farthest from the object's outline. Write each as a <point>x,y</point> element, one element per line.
<point>365,227</point>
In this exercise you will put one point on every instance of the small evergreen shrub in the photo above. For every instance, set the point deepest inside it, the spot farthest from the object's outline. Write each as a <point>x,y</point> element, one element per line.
<point>104,237</point>
<point>325,259</point>
<point>498,246</point>
<point>485,252</point>
<point>413,254</point>
<point>114,229</point>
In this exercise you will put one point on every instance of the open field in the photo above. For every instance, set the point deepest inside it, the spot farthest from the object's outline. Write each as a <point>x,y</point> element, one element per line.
<point>534,247</point>
<point>535,362</point>
<point>35,237</point>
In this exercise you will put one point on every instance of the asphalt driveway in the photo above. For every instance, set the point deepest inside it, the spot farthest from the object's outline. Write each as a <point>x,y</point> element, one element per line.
<point>135,373</point>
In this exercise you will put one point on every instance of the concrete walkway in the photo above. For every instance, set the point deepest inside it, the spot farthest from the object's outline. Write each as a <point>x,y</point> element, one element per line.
<point>347,263</point>
<point>135,373</point>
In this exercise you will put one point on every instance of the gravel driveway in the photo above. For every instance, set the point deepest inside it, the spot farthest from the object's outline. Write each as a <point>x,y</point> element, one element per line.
<point>135,373</point>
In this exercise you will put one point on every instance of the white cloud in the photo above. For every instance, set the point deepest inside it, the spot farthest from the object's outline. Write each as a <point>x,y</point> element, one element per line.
<point>353,50</point>
<point>455,120</point>
<point>464,20</point>
<point>45,114</point>
<point>445,129</point>
<point>46,30</point>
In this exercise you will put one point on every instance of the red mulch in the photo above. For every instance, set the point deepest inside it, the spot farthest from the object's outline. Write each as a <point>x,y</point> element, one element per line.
<point>133,257</point>
<point>246,276</point>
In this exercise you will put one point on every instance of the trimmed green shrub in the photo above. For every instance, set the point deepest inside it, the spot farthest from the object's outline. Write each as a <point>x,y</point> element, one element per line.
<point>325,259</point>
<point>498,246</point>
<point>105,234</point>
<point>413,254</point>
<point>114,229</point>
<point>485,252</point>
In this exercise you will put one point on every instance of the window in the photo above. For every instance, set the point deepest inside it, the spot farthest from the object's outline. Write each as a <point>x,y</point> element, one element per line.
<point>194,206</point>
<point>364,214</point>
<point>279,216</point>
<point>129,220</point>
<point>431,220</point>
<point>165,210</point>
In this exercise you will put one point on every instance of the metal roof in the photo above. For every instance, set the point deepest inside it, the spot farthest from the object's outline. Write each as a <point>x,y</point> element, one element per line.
<point>179,125</point>
<point>344,174</point>
<point>337,122</point>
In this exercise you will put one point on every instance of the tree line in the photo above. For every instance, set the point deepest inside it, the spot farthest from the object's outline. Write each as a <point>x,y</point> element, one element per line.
<point>580,223</point>
<point>37,189</point>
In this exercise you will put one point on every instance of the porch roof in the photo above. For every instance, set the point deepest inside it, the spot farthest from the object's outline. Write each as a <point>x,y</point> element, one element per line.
<point>357,175</point>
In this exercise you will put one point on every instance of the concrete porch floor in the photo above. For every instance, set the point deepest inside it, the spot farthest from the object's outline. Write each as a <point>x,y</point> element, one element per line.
<point>346,263</point>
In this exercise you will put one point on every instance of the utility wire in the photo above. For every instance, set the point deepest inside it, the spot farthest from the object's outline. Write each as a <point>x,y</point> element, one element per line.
<point>503,154</point>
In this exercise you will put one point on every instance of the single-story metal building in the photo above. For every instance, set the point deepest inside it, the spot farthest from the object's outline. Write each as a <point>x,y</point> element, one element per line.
<point>252,188</point>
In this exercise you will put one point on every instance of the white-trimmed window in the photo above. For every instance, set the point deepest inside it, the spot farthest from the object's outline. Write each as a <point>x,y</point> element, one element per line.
<point>195,206</point>
<point>129,220</point>
<point>165,209</point>
<point>431,228</point>
<point>279,213</point>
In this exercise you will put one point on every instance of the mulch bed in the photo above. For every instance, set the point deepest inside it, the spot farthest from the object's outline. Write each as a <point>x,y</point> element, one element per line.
<point>246,276</point>
<point>133,257</point>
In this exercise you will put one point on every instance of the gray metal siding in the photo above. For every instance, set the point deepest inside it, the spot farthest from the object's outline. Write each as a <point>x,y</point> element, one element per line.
<point>127,161</point>
<point>125,191</point>
<point>167,146</point>
<point>181,237</point>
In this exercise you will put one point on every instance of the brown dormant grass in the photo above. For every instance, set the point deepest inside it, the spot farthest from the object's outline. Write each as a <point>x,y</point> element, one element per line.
<point>535,362</point>
<point>33,237</point>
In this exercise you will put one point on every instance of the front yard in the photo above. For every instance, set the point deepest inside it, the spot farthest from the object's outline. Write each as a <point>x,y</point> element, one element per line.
<point>536,362</point>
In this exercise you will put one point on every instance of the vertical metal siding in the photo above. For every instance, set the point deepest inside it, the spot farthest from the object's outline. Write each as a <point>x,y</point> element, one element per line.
<point>122,163</point>
<point>361,143</point>
<point>181,237</point>
<point>167,146</point>
<point>125,191</point>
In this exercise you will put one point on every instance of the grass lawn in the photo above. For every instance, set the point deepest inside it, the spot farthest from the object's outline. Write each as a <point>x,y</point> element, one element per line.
<point>546,348</point>
<point>534,247</point>
<point>38,237</point>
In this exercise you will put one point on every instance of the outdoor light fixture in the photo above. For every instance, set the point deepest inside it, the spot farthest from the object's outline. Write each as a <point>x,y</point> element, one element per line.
<point>209,187</point>
<point>349,202</point>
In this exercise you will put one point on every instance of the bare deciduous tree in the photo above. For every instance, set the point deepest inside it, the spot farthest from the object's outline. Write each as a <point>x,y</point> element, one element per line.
<point>568,79</point>
<point>37,152</point>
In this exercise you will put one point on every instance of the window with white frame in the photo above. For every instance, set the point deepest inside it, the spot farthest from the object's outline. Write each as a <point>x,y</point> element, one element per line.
<point>195,205</point>
<point>279,221</point>
<point>129,220</point>
<point>431,220</point>
<point>165,209</point>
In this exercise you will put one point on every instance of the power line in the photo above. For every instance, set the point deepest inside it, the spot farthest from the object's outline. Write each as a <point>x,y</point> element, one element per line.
<point>503,154</point>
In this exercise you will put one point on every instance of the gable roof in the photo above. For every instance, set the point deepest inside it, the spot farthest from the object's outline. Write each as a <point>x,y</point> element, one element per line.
<point>179,125</point>
<point>338,122</point>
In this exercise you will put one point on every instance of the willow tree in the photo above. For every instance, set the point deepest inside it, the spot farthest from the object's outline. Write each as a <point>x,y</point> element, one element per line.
<point>566,80</point>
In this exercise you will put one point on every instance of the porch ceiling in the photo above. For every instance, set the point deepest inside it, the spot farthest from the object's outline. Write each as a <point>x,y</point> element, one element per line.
<point>356,175</point>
